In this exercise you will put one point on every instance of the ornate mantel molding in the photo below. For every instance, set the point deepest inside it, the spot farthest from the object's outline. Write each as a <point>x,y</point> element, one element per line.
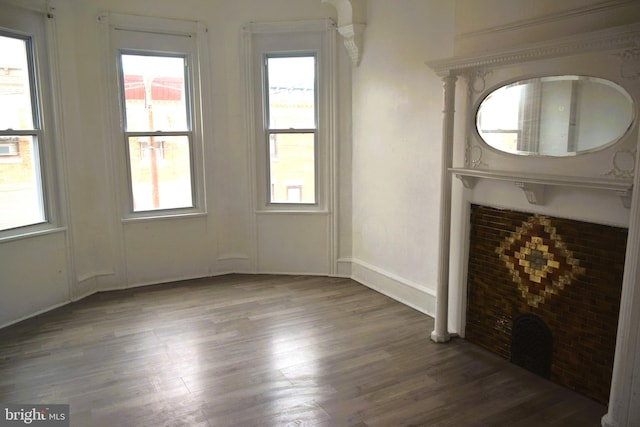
<point>351,14</point>
<point>533,184</point>
<point>623,42</point>
<point>570,13</point>
<point>617,38</point>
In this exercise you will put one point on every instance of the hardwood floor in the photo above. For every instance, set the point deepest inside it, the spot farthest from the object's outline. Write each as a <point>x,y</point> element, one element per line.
<point>245,350</point>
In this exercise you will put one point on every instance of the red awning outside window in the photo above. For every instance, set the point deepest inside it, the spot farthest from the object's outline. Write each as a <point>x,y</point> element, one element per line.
<point>163,88</point>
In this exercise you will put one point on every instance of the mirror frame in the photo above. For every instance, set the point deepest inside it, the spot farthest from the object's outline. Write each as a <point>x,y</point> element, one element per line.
<point>484,94</point>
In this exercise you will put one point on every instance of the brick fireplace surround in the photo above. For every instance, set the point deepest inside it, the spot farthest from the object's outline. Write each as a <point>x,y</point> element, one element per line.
<point>567,273</point>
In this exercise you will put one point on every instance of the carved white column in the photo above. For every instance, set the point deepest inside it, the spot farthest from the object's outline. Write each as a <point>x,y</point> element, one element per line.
<point>440,332</point>
<point>624,399</point>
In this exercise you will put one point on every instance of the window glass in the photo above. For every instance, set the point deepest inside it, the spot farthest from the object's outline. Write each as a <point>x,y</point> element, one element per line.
<point>156,115</point>
<point>292,97</point>
<point>21,187</point>
<point>154,92</point>
<point>500,123</point>
<point>15,84</point>
<point>499,112</point>
<point>292,167</point>
<point>160,172</point>
<point>292,134</point>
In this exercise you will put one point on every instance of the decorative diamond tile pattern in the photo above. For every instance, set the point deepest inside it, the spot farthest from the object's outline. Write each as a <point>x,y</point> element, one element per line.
<point>571,269</point>
<point>539,261</point>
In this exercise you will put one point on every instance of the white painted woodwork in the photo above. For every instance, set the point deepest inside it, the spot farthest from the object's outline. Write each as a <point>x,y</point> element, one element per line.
<point>387,170</point>
<point>441,330</point>
<point>581,53</point>
<point>305,235</point>
<point>625,383</point>
<point>351,24</point>
<point>533,185</point>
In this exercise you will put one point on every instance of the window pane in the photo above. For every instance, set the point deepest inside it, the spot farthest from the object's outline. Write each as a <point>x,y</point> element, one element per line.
<point>20,192</point>
<point>508,140</point>
<point>154,91</point>
<point>160,171</point>
<point>16,108</point>
<point>292,82</point>
<point>21,197</point>
<point>292,167</point>
<point>499,112</point>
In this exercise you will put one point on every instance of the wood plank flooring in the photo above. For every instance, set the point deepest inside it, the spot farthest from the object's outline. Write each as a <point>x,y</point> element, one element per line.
<point>259,350</point>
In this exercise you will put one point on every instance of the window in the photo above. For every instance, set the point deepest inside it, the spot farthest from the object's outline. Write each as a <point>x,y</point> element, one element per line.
<point>291,105</point>
<point>157,126</point>
<point>292,134</point>
<point>500,123</point>
<point>22,197</point>
<point>158,118</point>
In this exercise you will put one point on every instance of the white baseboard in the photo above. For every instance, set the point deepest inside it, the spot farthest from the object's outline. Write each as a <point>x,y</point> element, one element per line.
<point>233,263</point>
<point>393,286</point>
<point>37,313</point>
<point>343,267</point>
<point>389,284</point>
<point>90,283</point>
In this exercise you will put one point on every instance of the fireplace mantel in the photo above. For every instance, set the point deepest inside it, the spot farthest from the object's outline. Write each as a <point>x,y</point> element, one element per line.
<point>533,185</point>
<point>612,53</point>
<point>616,38</point>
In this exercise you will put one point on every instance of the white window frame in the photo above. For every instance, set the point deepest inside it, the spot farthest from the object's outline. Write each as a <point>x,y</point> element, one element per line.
<point>291,39</point>
<point>130,34</point>
<point>38,27</point>
<point>272,131</point>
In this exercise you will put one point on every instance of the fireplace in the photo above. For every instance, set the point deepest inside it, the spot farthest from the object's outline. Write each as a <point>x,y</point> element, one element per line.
<point>531,344</point>
<point>544,292</point>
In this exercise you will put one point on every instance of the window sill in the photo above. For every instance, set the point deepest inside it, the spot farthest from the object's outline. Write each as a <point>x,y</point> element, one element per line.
<point>291,211</point>
<point>163,217</point>
<point>4,238</point>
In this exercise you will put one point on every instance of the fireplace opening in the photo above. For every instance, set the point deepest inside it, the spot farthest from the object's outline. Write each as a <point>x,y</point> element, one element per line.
<point>531,344</point>
<point>566,275</point>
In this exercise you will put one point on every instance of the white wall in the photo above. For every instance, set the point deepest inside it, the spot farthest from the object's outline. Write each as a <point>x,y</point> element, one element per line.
<point>107,253</point>
<point>35,276</point>
<point>35,269</point>
<point>396,148</point>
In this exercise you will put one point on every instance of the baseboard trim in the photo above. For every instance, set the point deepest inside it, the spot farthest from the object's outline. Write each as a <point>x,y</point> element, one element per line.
<point>37,313</point>
<point>152,282</point>
<point>94,275</point>
<point>402,290</point>
<point>606,421</point>
<point>343,267</point>
<point>234,263</point>
<point>89,284</point>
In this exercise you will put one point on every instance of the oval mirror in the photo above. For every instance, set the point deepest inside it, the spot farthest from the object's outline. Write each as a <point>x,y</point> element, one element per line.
<point>555,116</point>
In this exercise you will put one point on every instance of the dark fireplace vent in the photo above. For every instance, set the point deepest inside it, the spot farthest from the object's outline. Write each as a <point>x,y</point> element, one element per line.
<point>531,344</point>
